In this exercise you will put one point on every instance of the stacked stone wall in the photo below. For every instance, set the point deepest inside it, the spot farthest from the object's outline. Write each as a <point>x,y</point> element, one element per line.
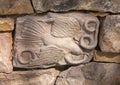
<point>59,42</point>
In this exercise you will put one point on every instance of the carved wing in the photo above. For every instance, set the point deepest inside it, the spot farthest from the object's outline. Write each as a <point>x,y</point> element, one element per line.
<point>65,27</point>
<point>34,30</point>
<point>49,56</point>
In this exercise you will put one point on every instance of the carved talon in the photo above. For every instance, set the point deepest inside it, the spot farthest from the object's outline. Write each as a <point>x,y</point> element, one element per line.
<point>69,60</point>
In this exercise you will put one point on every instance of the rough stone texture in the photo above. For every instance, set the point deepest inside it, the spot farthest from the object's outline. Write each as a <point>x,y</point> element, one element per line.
<point>6,24</point>
<point>91,74</point>
<point>106,57</point>
<point>55,39</point>
<point>66,5</point>
<point>8,7</point>
<point>5,52</point>
<point>34,77</point>
<point>110,34</point>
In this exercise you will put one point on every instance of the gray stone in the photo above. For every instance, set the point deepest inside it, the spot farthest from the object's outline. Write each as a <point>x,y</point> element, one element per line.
<point>91,74</point>
<point>55,39</point>
<point>31,77</point>
<point>66,5</point>
<point>110,34</point>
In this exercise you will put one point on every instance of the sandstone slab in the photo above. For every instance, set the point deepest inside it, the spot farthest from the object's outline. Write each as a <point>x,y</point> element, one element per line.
<point>110,34</point>
<point>5,52</point>
<point>6,24</point>
<point>31,77</point>
<point>91,74</point>
<point>55,39</point>
<point>8,7</point>
<point>106,57</point>
<point>66,5</point>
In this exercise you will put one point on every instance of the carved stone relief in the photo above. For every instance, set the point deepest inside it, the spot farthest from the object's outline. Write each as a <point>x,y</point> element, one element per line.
<point>55,39</point>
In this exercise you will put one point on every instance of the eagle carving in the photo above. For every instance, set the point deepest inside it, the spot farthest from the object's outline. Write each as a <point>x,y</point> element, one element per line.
<point>55,39</point>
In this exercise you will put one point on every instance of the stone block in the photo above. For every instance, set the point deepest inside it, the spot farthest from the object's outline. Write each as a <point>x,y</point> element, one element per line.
<point>6,24</point>
<point>8,7</point>
<point>31,77</point>
<point>55,39</point>
<point>91,74</point>
<point>106,57</point>
<point>5,52</point>
<point>109,40</point>
<point>67,5</point>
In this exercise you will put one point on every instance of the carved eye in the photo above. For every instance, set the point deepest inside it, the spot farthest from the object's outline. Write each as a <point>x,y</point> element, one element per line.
<point>25,57</point>
<point>90,25</point>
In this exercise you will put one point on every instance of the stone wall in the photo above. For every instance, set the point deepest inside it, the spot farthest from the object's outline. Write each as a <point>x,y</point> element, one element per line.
<point>59,42</point>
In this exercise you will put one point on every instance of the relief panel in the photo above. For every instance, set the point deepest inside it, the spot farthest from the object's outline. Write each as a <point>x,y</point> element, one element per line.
<point>54,39</point>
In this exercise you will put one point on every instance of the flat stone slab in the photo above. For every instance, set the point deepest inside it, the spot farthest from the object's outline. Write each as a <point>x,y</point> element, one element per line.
<point>91,74</point>
<point>5,52</point>
<point>6,24</point>
<point>67,5</point>
<point>8,7</point>
<point>106,57</point>
<point>110,34</point>
<point>31,77</point>
<point>54,39</point>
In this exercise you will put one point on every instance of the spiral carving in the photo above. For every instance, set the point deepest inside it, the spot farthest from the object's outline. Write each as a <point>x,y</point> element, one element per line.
<point>89,40</point>
<point>90,25</point>
<point>25,57</point>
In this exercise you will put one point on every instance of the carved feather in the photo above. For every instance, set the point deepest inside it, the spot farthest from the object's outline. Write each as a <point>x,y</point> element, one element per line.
<point>34,30</point>
<point>65,27</point>
<point>49,55</point>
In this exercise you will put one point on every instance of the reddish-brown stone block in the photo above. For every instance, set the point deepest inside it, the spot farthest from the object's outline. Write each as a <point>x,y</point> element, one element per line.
<point>5,52</point>
<point>8,7</point>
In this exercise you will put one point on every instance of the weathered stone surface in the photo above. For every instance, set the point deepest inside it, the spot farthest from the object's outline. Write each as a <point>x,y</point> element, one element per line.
<point>66,5</point>
<point>33,77</point>
<point>5,52</point>
<point>8,7</point>
<point>110,34</point>
<point>6,24</point>
<point>106,57</point>
<point>55,39</point>
<point>91,74</point>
